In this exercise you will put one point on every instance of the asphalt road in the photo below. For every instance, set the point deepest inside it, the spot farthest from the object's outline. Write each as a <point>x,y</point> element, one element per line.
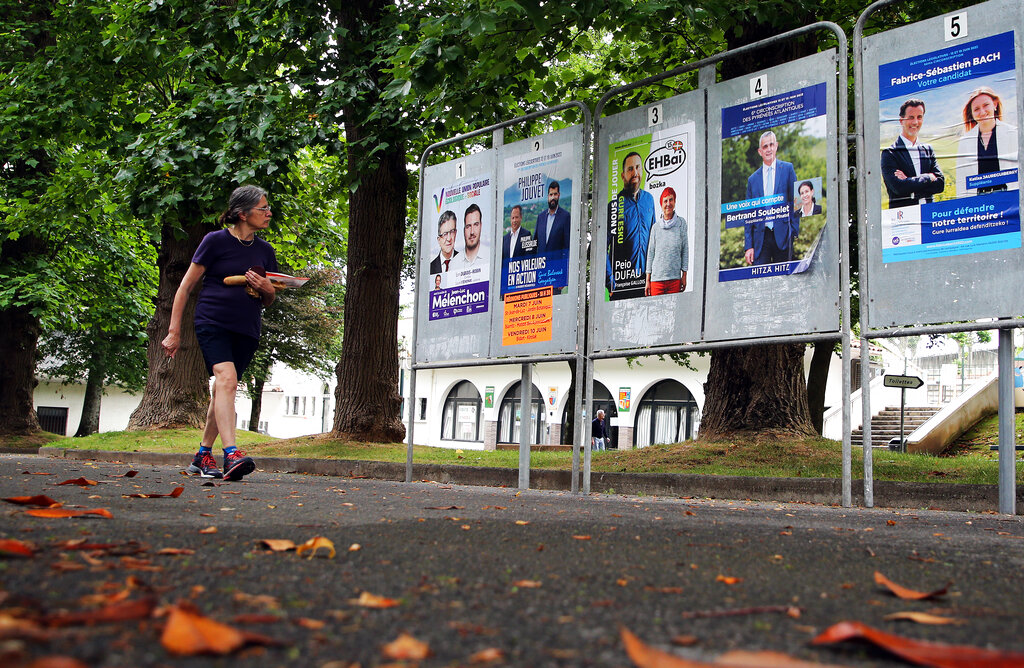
<point>547,578</point>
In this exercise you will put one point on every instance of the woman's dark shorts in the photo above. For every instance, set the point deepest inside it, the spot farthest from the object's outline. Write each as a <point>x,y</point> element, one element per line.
<point>223,345</point>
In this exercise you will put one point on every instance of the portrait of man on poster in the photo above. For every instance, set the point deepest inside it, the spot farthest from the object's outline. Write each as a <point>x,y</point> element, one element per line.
<point>771,240</point>
<point>909,169</point>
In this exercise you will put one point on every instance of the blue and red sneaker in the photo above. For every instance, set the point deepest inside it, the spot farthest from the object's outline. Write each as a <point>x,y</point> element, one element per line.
<point>237,464</point>
<point>205,465</point>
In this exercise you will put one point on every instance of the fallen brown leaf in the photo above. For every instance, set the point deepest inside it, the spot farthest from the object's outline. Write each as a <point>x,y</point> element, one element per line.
<point>644,656</point>
<point>368,600</point>
<point>406,647</point>
<point>487,655</point>
<point>120,611</point>
<point>522,522</point>
<point>526,584</point>
<point>68,512</point>
<point>921,652</point>
<point>13,627</point>
<point>664,590</point>
<point>176,551</point>
<point>128,474</point>
<point>16,548</point>
<point>81,482</point>
<point>57,662</point>
<point>907,594</point>
<point>311,624</point>
<point>314,544</point>
<point>208,530</point>
<point>685,640</point>
<point>581,537</point>
<point>175,493</point>
<point>728,579</point>
<point>37,500</point>
<point>922,618</point>
<point>445,508</point>
<point>188,633</point>
<point>277,544</point>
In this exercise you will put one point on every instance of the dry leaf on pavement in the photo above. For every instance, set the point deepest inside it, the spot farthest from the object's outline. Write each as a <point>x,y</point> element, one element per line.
<point>81,482</point>
<point>16,548</point>
<point>487,655</point>
<point>67,512</point>
<point>921,652</point>
<point>728,579</point>
<point>368,600</point>
<point>189,633</point>
<point>120,611</point>
<point>406,647</point>
<point>922,618</point>
<point>37,500</point>
<point>175,493</point>
<point>526,584</point>
<point>907,594</point>
<point>277,544</point>
<point>314,544</point>
<point>645,656</point>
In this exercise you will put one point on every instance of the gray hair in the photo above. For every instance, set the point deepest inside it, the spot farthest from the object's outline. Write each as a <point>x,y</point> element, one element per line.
<point>243,199</point>
<point>447,215</point>
<point>769,133</point>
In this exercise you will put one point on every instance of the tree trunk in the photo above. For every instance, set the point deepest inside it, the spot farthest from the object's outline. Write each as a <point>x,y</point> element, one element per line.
<point>256,402</point>
<point>90,422</point>
<point>177,390</point>
<point>758,389</point>
<point>367,401</point>
<point>817,380</point>
<point>19,333</point>
<point>754,389</point>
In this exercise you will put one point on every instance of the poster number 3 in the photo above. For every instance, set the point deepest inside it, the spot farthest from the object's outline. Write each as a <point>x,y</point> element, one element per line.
<point>956,26</point>
<point>654,115</point>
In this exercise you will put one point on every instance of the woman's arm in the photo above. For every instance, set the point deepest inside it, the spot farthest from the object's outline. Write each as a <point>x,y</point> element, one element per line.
<point>188,284</point>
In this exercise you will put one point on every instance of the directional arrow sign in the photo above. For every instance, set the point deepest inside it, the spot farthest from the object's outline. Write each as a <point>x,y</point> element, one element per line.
<point>908,382</point>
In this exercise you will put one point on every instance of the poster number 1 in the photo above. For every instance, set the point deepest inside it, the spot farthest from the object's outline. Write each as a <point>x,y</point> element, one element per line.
<point>956,26</point>
<point>460,170</point>
<point>653,115</point>
<point>758,86</point>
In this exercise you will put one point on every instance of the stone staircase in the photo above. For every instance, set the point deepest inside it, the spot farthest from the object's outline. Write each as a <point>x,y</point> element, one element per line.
<point>886,424</point>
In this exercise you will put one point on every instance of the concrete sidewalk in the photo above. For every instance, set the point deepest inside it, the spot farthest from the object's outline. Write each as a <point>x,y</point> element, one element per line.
<point>887,494</point>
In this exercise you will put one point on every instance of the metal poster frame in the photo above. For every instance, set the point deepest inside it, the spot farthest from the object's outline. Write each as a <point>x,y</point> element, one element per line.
<point>1004,323</point>
<point>579,200</point>
<point>706,79</point>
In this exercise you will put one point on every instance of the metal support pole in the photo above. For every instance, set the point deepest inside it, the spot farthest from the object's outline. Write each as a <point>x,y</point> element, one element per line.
<point>589,404</point>
<point>525,425</point>
<point>865,404</point>
<point>1007,445</point>
<point>903,408</point>
<point>411,397</point>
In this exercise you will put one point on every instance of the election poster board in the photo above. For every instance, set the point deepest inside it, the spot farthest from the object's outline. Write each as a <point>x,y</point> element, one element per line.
<point>774,205</point>
<point>650,203</point>
<point>942,111</point>
<point>455,266</point>
<point>537,244</point>
<point>773,245</point>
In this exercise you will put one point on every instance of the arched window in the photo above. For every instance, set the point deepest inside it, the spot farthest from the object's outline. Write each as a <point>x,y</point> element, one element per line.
<point>460,420</point>
<point>508,416</point>
<point>666,414</point>
<point>603,401</point>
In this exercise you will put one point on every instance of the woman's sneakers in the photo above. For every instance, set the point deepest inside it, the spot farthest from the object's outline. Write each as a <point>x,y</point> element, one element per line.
<point>205,465</point>
<point>236,465</point>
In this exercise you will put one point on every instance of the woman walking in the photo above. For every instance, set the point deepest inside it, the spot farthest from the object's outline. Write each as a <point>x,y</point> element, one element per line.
<point>227,319</point>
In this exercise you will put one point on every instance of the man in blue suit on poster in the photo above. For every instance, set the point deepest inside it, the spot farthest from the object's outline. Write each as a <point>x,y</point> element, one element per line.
<point>771,240</point>
<point>552,228</point>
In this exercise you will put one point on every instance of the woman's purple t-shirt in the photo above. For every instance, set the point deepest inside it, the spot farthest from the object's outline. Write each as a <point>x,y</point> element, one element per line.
<point>228,306</point>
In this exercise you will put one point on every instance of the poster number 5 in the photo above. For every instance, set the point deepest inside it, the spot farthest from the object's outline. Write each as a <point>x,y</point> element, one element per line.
<point>758,87</point>
<point>654,115</point>
<point>460,170</point>
<point>956,26</point>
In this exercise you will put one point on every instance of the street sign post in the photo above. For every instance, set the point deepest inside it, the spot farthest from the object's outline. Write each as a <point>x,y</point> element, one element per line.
<point>904,383</point>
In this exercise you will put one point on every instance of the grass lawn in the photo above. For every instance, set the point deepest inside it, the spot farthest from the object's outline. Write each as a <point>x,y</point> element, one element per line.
<point>970,461</point>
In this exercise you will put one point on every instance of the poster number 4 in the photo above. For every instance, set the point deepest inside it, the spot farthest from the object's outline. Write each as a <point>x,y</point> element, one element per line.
<point>460,170</point>
<point>758,87</point>
<point>654,115</point>
<point>956,26</point>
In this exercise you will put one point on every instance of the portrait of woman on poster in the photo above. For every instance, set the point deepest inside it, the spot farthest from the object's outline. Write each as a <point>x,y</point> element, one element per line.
<point>987,144</point>
<point>807,203</point>
<point>668,253</point>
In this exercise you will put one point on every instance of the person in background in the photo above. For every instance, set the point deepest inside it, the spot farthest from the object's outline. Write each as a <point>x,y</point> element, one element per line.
<point>598,432</point>
<point>227,319</point>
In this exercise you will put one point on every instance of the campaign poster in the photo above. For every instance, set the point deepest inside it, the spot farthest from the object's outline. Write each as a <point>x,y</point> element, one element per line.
<point>651,217</point>
<point>948,154</point>
<point>774,200</point>
<point>535,228</point>
<point>457,271</point>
